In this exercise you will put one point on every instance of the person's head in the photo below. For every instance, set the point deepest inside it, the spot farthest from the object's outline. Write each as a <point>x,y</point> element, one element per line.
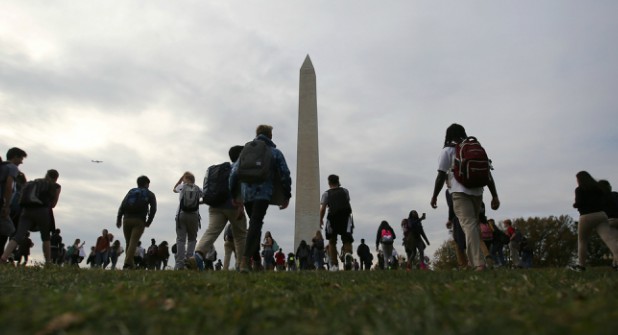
<point>52,175</point>
<point>605,185</point>
<point>104,232</point>
<point>268,234</point>
<point>384,224</point>
<point>57,231</point>
<point>507,223</point>
<point>143,181</point>
<point>413,214</point>
<point>362,241</point>
<point>318,234</point>
<point>454,133</point>
<point>333,180</point>
<point>77,241</point>
<point>234,152</point>
<point>16,155</point>
<point>585,180</point>
<point>152,241</point>
<point>265,130</point>
<point>188,178</point>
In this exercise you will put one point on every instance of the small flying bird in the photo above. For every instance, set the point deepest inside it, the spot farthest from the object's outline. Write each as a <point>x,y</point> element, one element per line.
<point>96,161</point>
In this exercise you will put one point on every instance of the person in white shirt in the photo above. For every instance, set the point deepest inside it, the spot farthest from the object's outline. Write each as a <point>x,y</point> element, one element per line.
<point>466,201</point>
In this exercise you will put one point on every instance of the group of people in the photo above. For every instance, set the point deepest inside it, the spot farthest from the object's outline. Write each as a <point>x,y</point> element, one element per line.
<point>26,206</point>
<point>238,194</point>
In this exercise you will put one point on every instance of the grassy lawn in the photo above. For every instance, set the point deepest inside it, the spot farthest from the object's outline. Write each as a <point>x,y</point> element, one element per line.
<point>79,301</point>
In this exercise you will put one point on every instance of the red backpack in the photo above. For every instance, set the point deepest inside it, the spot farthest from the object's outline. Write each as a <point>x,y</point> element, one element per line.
<point>471,165</point>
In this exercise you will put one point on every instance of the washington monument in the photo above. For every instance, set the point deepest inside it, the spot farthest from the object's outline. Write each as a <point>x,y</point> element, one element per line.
<point>308,164</point>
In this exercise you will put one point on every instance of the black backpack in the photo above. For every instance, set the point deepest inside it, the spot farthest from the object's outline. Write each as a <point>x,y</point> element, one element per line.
<point>338,203</point>
<point>254,162</point>
<point>36,193</point>
<point>216,184</point>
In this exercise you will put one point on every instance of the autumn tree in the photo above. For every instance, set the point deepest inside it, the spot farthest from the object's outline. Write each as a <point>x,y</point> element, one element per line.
<point>553,241</point>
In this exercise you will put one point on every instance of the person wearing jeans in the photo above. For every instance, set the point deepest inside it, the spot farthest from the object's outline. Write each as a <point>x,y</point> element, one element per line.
<point>257,195</point>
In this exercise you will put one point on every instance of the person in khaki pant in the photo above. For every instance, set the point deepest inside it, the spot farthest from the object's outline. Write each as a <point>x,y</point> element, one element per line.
<point>466,201</point>
<point>135,220</point>
<point>218,217</point>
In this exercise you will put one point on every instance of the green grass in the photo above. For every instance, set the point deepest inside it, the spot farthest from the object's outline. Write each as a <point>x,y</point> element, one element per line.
<point>80,301</point>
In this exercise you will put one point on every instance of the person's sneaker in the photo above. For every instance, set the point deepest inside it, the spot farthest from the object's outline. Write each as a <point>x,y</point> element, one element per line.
<point>576,268</point>
<point>127,267</point>
<point>334,268</point>
<point>199,261</point>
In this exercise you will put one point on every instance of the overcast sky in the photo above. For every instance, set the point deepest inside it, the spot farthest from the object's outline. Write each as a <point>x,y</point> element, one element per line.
<point>162,87</point>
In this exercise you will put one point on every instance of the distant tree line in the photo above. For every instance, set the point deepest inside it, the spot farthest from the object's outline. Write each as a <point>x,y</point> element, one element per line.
<point>553,241</point>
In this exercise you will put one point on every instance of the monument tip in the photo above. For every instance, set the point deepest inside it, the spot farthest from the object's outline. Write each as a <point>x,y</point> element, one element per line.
<point>307,63</point>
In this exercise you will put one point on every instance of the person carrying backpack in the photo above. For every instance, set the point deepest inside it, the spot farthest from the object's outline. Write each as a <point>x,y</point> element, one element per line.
<point>220,212</point>
<point>264,178</point>
<point>187,218</point>
<point>386,237</point>
<point>464,167</point>
<point>136,212</point>
<point>37,198</point>
<point>338,221</point>
<point>9,172</point>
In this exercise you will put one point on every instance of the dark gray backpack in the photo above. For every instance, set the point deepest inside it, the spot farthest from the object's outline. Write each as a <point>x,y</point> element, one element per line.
<point>254,162</point>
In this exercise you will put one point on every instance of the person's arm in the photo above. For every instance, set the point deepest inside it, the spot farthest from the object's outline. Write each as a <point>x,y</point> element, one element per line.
<point>152,201</point>
<point>56,196</point>
<point>286,180</point>
<point>322,213</point>
<point>439,183</point>
<point>577,197</point>
<point>178,183</point>
<point>8,192</point>
<point>120,213</point>
<point>424,236</point>
<point>495,202</point>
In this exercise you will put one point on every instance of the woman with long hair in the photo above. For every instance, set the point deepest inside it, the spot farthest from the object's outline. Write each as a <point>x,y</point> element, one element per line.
<point>590,201</point>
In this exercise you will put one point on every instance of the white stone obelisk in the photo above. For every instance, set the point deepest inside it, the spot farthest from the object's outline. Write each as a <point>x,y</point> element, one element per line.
<point>308,164</point>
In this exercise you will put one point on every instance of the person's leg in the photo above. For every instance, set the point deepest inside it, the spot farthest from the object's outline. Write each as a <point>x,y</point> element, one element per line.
<point>514,251</point>
<point>387,250</point>
<point>228,248</point>
<point>22,230</point>
<point>467,210</point>
<point>257,211</point>
<point>239,230</point>
<point>193,224</point>
<point>216,224</point>
<point>332,251</point>
<point>609,236</point>
<point>133,228</point>
<point>181,242</point>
